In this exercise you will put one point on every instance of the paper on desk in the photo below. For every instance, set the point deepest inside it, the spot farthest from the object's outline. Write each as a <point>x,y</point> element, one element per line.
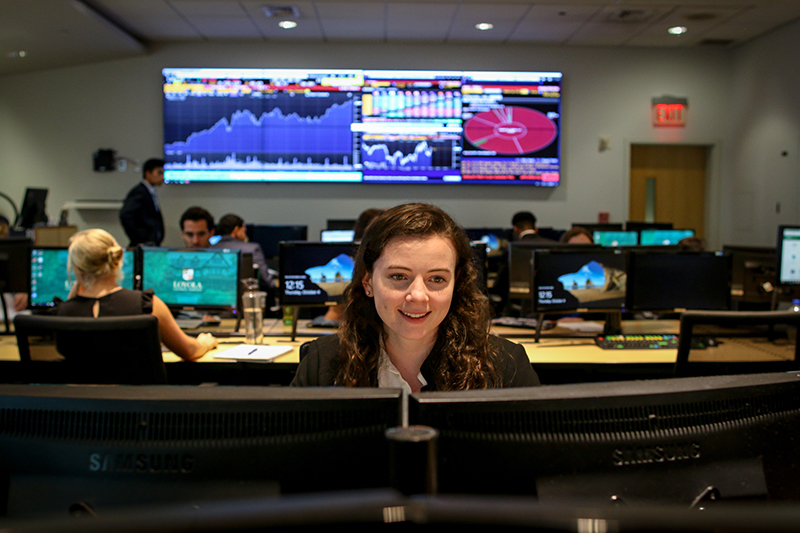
<point>581,326</point>
<point>253,352</point>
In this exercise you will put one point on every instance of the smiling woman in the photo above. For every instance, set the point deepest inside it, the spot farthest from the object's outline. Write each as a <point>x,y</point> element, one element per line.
<point>414,316</point>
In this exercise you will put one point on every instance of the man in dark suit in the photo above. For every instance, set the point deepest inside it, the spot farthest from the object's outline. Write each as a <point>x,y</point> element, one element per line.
<point>140,214</point>
<point>524,224</point>
<point>234,235</point>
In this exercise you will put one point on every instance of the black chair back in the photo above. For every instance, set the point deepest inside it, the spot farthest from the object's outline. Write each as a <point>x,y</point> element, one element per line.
<point>107,350</point>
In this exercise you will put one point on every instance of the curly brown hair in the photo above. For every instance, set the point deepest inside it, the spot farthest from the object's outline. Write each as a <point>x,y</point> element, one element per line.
<point>462,356</point>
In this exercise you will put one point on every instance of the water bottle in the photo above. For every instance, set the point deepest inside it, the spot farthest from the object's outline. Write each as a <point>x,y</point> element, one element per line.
<point>253,302</point>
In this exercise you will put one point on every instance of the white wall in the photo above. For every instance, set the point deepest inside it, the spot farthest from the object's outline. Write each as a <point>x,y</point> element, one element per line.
<point>51,122</point>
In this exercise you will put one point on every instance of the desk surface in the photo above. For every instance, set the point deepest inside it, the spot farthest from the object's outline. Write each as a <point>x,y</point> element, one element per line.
<point>555,347</point>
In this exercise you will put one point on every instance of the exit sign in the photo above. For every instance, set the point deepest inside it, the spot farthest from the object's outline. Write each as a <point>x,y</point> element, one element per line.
<point>669,111</point>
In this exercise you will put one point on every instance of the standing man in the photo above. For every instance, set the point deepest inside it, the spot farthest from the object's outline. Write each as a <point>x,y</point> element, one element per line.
<point>140,214</point>
<point>197,227</point>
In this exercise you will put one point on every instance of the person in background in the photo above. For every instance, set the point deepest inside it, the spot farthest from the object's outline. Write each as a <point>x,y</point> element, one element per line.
<point>415,317</point>
<point>140,214</point>
<point>524,226</point>
<point>197,227</point>
<point>577,235</point>
<point>234,236</point>
<point>691,244</point>
<point>96,259</point>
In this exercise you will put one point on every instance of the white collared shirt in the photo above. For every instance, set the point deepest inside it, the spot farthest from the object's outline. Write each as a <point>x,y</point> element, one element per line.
<point>389,377</point>
<point>152,191</point>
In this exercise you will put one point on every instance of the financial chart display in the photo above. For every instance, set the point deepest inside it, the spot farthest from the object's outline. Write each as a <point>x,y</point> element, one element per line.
<point>377,126</point>
<point>49,277</point>
<point>207,278</point>
<point>315,273</point>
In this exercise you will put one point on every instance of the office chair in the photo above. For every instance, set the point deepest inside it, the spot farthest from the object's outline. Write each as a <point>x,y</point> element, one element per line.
<point>109,350</point>
<point>689,319</point>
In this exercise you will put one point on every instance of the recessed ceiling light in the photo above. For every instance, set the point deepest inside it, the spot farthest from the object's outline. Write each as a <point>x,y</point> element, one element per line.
<point>287,24</point>
<point>483,26</point>
<point>677,30</point>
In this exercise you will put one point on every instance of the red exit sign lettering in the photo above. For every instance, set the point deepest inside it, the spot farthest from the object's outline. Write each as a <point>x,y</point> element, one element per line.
<point>670,113</point>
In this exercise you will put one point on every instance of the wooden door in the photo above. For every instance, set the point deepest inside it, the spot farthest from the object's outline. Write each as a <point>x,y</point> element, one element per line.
<point>678,178</point>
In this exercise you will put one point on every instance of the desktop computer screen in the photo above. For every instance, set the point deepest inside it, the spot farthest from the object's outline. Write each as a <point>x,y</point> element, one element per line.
<point>314,273</point>
<point>49,276</point>
<point>270,236</point>
<point>206,278</point>
<point>788,255</point>
<point>664,441</point>
<point>663,281</point>
<point>15,261</point>
<point>666,237</point>
<point>616,238</point>
<point>495,239</point>
<point>568,280</point>
<point>337,235</point>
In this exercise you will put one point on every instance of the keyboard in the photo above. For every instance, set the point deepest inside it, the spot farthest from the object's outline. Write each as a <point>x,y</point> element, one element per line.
<point>650,342</point>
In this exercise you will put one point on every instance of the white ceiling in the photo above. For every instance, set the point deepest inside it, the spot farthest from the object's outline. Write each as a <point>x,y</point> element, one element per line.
<point>54,33</point>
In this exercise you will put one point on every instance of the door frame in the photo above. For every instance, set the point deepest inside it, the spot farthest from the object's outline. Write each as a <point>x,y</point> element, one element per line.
<point>713,199</point>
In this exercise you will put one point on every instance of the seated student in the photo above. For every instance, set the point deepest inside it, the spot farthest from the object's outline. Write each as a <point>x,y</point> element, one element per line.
<point>414,316</point>
<point>96,259</point>
<point>234,236</point>
<point>577,235</point>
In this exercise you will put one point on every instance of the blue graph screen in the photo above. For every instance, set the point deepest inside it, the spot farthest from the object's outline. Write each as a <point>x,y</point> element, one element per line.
<point>378,126</point>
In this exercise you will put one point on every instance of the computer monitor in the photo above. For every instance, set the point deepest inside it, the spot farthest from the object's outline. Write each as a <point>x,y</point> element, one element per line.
<point>639,226</point>
<point>578,280</point>
<point>49,277</point>
<point>98,449</point>
<point>34,208</point>
<point>15,261</point>
<point>337,235</point>
<point>520,263</point>
<point>668,281</point>
<point>667,441</point>
<point>340,223</point>
<point>314,273</point>
<point>495,239</point>
<point>788,258</point>
<point>752,274</point>
<point>270,237</point>
<point>666,237</point>
<point>193,278</point>
<point>616,238</point>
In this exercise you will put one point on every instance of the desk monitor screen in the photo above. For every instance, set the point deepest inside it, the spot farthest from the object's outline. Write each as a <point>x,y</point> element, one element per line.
<point>34,208</point>
<point>206,278</point>
<point>520,263</point>
<point>616,238</point>
<point>495,239</point>
<point>49,276</point>
<point>666,237</point>
<point>15,262</point>
<point>186,447</point>
<point>639,226</point>
<point>315,273</point>
<point>699,280</point>
<point>644,442</point>
<point>270,237</point>
<point>336,235</point>
<point>568,280</point>
<point>788,259</point>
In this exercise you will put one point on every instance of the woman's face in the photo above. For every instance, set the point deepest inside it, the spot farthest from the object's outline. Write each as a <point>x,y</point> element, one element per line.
<point>412,283</point>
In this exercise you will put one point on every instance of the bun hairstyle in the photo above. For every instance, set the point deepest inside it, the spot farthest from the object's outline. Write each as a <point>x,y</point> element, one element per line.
<point>93,254</point>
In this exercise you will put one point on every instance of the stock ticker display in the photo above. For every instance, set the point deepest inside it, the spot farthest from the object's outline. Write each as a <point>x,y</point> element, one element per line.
<point>373,126</point>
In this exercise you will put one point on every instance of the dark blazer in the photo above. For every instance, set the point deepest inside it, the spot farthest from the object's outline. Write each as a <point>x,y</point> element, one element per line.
<point>141,220</point>
<point>319,365</point>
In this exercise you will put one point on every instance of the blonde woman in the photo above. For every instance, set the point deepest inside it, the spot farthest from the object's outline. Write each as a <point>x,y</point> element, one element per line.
<point>96,259</point>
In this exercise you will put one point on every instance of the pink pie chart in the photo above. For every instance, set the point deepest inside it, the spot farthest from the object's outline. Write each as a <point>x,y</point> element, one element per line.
<point>510,130</point>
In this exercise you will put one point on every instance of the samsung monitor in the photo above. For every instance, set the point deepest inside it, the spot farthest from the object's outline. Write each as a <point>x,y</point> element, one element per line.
<point>668,441</point>
<point>49,277</point>
<point>336,235</point>
<point>15,261</point>
<point>34,208</point>
<point>68,449</point>
<point>314,273</point>
<point>270,236</point>
<point>616,238</point>
<point>439,127</point>
<point>674,281</point>
<point>193,278</point>
<point>788,258</point>
<point>578,280</point>
<point>663,237</point>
